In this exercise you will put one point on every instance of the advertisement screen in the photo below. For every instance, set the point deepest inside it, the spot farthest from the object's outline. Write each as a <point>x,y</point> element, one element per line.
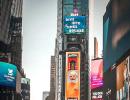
<point>8,74</point>
<point>74,24</point>
<point>72,76</point>
<point>117,33</point>
<point>96,73</point>
<point>122,80</point>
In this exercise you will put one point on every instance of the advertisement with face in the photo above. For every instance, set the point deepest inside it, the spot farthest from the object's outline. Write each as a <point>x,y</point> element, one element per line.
<point>122,80</point>
<point>72,76</point>
<point>97,79</point>
<point>116,32</point>
<point>74,24</point>
<point>8,74</point>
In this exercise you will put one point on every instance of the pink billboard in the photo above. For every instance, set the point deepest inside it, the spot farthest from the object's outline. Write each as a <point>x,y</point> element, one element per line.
<point>96,73</point>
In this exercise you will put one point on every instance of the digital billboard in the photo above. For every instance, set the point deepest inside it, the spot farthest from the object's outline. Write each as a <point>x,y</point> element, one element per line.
<point>96,73</point>
<point>8,74</point>
<point>72,76</point>
<point>97,79</point>
<point>116,32</point>
<point>122,81</point>
<point>74,24</point>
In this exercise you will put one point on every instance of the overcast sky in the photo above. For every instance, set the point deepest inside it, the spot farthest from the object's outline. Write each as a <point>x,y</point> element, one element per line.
<point>39,32</point>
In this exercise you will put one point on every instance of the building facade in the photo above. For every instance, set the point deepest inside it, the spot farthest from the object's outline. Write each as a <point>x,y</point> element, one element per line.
<point>11,43</point>
<point>116,51</point>
<point>52,79</point>
<point>72,37</point>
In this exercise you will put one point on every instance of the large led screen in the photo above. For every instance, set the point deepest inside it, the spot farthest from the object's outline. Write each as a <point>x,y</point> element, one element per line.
<point>72,76</point>
<point>8,74</point>
<point>74,24</point>
<point>116,32</point>
<point>122,80</point>
<point>96,73</point>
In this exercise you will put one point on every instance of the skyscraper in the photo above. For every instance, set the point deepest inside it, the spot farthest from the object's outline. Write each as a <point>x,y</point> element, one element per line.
<point>11,31</point>
<point>11,44</point>
<point>72,40</point>
<point>52,79</point>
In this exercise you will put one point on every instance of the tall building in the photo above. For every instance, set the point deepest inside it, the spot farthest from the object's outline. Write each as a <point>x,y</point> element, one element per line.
<point>11,31</point>
<point>5,12</point>
<point>52,79</point>
<point>72,43</point>
<point>95,47</point>
<point>15,31</point>
<point>11,46</point>
<point>116,50</point>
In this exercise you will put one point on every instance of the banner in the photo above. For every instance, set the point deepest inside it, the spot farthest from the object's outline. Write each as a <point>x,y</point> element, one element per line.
<point>8,74</point>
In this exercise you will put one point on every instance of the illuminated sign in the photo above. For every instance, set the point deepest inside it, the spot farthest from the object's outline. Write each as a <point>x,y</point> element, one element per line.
<point>8,74</point>
<point>96,73</point>
<point>74,24</point>
<point>97,95</point>
<point>116,33</point>
<point>72,76</point>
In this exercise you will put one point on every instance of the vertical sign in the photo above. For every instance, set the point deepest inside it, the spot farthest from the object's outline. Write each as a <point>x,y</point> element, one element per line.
<point>72,76</point>
<point>97,79</point>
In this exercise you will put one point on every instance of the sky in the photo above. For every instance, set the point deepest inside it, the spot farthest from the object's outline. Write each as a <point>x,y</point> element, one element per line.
<point>39,33</point>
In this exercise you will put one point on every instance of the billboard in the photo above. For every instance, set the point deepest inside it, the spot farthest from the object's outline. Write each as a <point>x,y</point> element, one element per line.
<point>97,79</point>
<point>74,24</point>
<point>122,81</point>
<point>96,73</point>
<point>8,74</point>
<point>72,76</point>
<point>116,32</point>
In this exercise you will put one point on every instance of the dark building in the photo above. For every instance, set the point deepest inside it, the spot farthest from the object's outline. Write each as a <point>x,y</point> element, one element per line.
<point>15,31</point>
<point>72,36</point>
<point>11,31</point>
<point>5,12</point>
<point>116,36</point>
<point>11,43</point>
